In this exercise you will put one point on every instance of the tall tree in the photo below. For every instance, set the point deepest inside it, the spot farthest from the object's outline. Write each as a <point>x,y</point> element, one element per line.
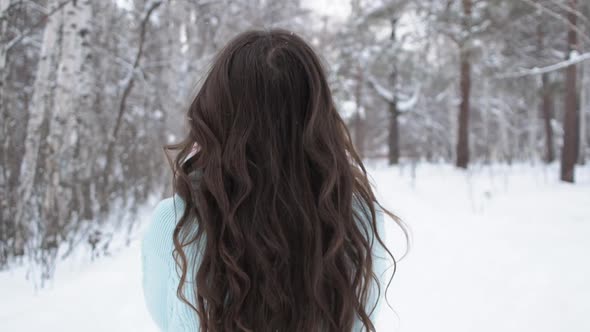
<point>585,95</point>
<point>546,99</point>
<point>465,87</point>
<point>569,152</point>
<point>388,56</point>
<point>122,107</point>
<point>393,135</point>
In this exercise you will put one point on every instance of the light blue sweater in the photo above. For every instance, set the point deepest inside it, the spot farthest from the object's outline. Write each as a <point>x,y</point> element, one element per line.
<point>160,278</point>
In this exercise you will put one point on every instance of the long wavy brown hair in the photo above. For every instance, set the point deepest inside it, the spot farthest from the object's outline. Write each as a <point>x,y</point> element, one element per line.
<point>270,196</point>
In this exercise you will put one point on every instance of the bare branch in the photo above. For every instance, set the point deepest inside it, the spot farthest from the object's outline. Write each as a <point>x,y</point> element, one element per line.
<point>544,70</point>
<point>568,9</point>
<point>558,16</point>
<point>381,90</point>
<point>126,92</point>
<point>35,26</point>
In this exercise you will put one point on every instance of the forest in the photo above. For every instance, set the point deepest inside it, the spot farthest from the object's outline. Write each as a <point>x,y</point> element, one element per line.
<point>91,91</point>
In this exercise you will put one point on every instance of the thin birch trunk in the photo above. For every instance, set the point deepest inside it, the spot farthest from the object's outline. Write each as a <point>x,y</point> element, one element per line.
<point>32,178</point>
<point>61,86</point>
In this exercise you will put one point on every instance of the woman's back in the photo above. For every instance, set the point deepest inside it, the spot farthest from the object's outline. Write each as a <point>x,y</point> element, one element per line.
<point>278,220</point>
<point>161,277</point>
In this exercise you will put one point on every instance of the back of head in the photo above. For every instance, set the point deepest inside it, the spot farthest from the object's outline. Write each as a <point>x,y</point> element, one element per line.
<point>283,248</point>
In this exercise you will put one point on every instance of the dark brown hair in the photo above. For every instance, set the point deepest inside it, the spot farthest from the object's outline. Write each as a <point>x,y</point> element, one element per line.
<point>270,196</point>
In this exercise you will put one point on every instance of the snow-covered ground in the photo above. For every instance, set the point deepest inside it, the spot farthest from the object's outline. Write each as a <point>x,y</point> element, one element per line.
<point>494,249</point>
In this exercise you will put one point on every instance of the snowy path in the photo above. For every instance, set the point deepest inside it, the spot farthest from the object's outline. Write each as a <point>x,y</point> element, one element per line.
<point>503,249</point>
<point>501,252</point>
<point>103,296</point>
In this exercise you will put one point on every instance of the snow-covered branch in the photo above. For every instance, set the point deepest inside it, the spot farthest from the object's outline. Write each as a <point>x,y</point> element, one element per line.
<point>575,59</point>
<point>580,16</point>
<point>382,91</point>
<point>381,11</point>
<point>403,105</point>
<point>408,104</point>
<point>35,26</point>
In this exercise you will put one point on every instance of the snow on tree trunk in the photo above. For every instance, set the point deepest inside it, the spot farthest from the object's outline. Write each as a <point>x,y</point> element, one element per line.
<point>32,181</point>
<point>4,4</point>
<point>570,122</point>
<point>71,99</point>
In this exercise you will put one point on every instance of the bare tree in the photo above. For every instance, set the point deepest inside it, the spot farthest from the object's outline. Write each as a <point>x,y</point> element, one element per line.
<point>465,87</point>
<point>569,152</point>
<point>546,100</point>
<point>128,86</point>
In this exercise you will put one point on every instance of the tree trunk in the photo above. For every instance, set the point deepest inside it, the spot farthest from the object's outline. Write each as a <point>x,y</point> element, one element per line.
<point>465,86</point>
<point>358,120</point>
<point>547,112</point>
<point>569,152</point>
<point>32,176</point>
<point>5,192</point>
<point>546,98</point>
<point>393,135</point>
<point>60,86</point>
<point>584,108</point>
<point>112,138</point>
<point>72,94</point>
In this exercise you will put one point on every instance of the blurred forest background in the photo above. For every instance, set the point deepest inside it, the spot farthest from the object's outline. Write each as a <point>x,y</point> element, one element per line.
<point>90,91</point>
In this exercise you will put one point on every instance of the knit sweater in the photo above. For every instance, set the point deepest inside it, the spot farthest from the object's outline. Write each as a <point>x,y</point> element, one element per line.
<point>161,277</point>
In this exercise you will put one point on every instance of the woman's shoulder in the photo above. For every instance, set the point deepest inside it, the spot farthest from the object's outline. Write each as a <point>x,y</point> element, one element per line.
<point>169,208</point>
<point>157,235</point>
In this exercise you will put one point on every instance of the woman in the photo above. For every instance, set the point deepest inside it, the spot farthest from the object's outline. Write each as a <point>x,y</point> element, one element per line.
<point>273,225</point>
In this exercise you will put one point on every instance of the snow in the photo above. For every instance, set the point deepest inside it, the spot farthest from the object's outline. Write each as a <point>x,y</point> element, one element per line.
<point>403,105</point>
<point>575,58</point>
<point>409,103</point>
<point>337,10</point>
<point>104,296</point>
<point>500,248</point>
